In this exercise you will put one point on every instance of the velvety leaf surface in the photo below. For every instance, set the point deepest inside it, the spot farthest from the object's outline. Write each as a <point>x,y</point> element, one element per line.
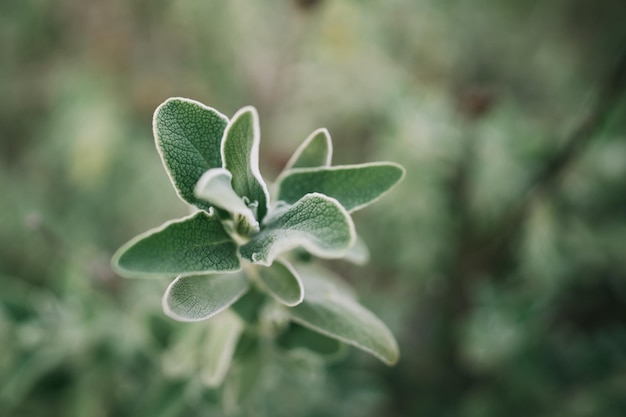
<point>188,136</point>
<point>354,186</point>
<point>215,188</point>
<point>300,337</point>
<point>282,282</point>
<point>316,222</point>
<point>246,374</point>
<point>221,341</point>
<point>202,296</point>
<point>315,151</point>
<point>240,154</point>
<point>359,253</point>
<point>333,312</point>
<point>192,245</point>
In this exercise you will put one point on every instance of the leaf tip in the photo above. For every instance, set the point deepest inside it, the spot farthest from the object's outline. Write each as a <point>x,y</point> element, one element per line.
<point>251,111</point>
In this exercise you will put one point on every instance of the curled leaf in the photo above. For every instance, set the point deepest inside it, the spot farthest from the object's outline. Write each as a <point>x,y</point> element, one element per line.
<point>282,282</point>
<point>240,155</point>
<point>316,222</point>
<point>200,297</point>
<point>215,188</point>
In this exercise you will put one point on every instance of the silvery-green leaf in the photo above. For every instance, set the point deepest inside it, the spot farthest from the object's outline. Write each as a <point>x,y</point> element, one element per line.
<point>315,151</point>
<point>299,337</point>
<point>359,254</point>
<point>215,188</point>
<point>246,374</point>
<point>180,359</point>
<point>240,156</point>
<point>207,348</point>
<point>354,186</point>
<point>334,313</point>
<point>281,281</point>
<point>220,343</point>
<point>188,136</point>
<point>316,222</point>
<point>200,297</point>
<point>248,307</point>
<point>196,244</point>
<point>322,280</point>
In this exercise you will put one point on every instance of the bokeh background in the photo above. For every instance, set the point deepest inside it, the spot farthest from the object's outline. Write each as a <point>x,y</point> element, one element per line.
<point>499,263</point>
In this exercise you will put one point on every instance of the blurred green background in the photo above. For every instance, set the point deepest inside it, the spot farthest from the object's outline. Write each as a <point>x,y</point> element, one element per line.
<point>499,263</point>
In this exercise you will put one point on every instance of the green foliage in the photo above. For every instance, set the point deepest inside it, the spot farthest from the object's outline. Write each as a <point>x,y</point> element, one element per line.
<point>354,186</point>
<point>315,151</point>
<point>282,282</point>
<point>196,244</point>
<point>236,224</point>
<point>198,297</point>
<point>188,136</point>
<point>315,222</point>
<point>331,310</point>
<point>475,98</point>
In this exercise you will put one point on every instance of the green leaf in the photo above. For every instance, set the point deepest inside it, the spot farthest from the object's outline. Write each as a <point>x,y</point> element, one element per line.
<point>200,297</point>
<point>354,186</point>
<point>246,374</point>
<point>282,282</point>
<point>188,136</point>
<point>248,307</point>
<point>215,188</point>
<point>240,153</point>
<point>207,348</point>
<point>315,151</point>
<point>322,280</point>
<point>220,343</point>
<point>196,244</point>
<point>300,337</point>
<point>316,222</point>
<point>359,253</point>
<point>333,312</point>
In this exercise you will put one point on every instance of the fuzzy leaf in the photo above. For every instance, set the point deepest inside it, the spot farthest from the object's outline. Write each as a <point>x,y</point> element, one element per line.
<point>359,254</point>
<point>215,188</point>
<point>196,244</point>
<point>200,297</point>
<point>315,151</point>
<point>221,341</point>
<point>299,337</point>
<point>246,374</point>
<point>240,155</point>
<point>354,186</point>
<point>316,222</point>
<point>188,136</point>
<point>334,313</point>
<point>282,282</point>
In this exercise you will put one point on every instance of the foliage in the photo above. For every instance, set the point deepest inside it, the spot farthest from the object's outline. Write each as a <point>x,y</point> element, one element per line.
<point>239,241</point>
<point>506,297</point>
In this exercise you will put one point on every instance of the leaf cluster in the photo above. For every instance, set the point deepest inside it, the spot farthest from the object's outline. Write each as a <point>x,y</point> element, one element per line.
<point>236,246</point>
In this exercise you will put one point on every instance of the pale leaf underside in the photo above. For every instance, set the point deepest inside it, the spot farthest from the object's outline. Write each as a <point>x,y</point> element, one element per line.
<point>200,297</point>
<point>220,343</point>
<point>215,188</point>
